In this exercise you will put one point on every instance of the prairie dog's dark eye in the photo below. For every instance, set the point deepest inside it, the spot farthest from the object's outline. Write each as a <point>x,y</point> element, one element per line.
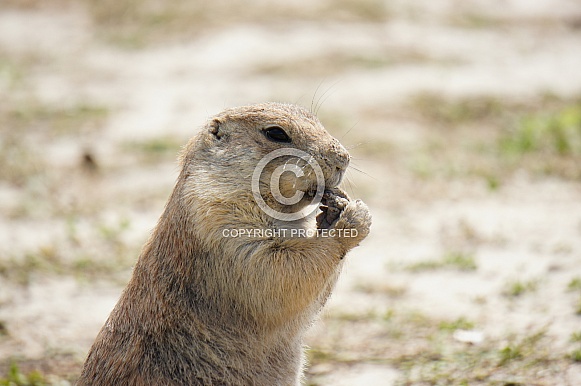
<point>276,134</point>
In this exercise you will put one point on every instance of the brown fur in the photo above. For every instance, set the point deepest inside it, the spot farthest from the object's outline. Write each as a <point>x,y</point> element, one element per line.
<point>203,309</point>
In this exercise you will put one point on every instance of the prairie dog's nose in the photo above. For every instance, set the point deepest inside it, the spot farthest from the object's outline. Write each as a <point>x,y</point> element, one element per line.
<point>339,156</point>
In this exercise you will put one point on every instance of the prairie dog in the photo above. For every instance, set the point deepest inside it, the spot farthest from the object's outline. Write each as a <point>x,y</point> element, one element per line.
<point>206,308</point>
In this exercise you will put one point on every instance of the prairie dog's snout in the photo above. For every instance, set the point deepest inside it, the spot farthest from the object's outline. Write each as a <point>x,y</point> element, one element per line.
<point>337,158</point>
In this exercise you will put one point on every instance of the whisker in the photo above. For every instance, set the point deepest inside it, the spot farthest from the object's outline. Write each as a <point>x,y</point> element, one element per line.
<point>314,95</point>
<point>322,99</point>
<point>362,172</point>
<point>360,144</point>
<point>351,183</point>
<point>352,127</point>
<point>299,98</point>
<point>355,146</point>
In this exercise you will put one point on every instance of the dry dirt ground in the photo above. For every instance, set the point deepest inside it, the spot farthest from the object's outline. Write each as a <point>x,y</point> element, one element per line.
<point>463,119</point>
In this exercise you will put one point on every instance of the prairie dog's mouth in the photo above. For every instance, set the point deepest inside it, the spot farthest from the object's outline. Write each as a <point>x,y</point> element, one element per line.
<point>335,179</point>
<point>332,182</point>
<point>311,192</point>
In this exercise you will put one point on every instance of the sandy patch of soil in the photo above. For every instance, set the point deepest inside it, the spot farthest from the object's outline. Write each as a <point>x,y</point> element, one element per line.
<point>467,236</point>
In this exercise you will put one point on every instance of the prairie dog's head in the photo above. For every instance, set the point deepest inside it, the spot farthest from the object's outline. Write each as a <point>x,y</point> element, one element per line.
<point>292,149</point>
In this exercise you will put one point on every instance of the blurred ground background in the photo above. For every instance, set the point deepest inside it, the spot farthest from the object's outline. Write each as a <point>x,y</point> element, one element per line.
<point>463,117</point>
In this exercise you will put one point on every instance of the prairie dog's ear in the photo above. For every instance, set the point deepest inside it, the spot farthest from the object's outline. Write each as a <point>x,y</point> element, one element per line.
<point>215,128</point>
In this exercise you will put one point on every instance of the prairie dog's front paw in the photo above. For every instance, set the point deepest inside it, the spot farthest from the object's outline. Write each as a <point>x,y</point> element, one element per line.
<point>351,218</point>
<point>355,217</point>
<point>333,203</point>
